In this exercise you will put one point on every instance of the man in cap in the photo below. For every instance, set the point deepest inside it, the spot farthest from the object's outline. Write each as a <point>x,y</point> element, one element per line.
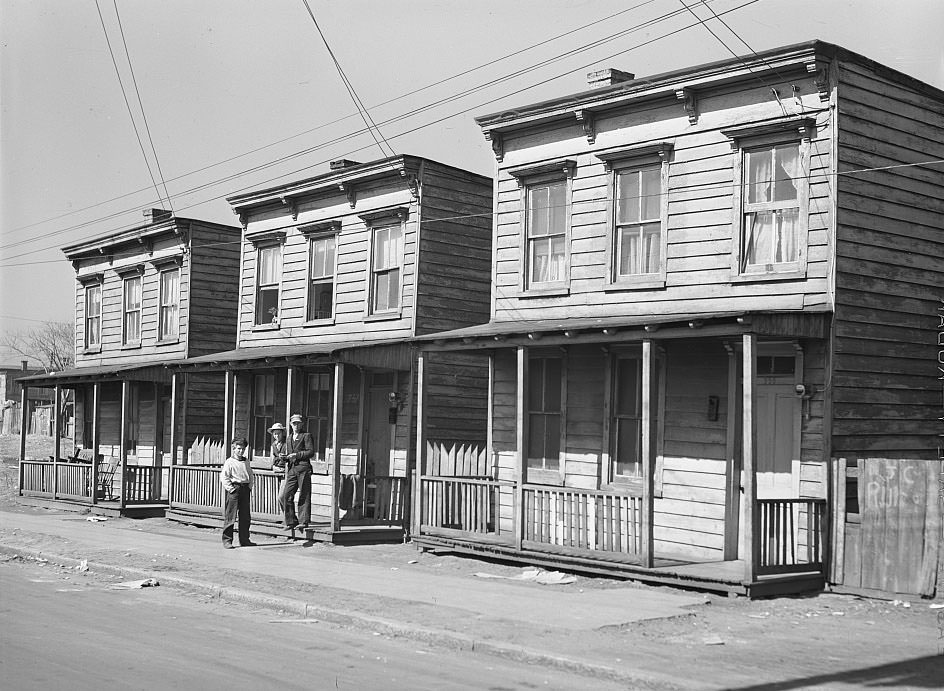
<point>299,450</point>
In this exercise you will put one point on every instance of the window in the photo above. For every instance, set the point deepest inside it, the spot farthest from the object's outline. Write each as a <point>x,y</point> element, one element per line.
<point>93,315</point>
<point>168,320</point>
<point>626,419</point>
<point>131,325</point>
<point>385,273</point>
<point>263,412</point>
<point>771,198</point>
<point>545,377</point>
<point>269,272</point>
<point>321,278</point>
<point>546,232</point>
<point>638,221</point>
<point>318,409</point>
<point>770,226</point>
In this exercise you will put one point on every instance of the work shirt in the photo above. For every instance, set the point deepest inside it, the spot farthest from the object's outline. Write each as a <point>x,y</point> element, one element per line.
<point>235,471</point>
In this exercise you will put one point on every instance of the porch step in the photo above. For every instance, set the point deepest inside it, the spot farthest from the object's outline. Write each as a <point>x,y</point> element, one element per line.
<point>111,510</point>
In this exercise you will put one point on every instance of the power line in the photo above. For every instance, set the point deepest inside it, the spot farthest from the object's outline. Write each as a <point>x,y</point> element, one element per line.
<point>451,77</point>
<point>125,96</point>
<point>134,82</point>
<point>409,114</point>
<point>402,116</point>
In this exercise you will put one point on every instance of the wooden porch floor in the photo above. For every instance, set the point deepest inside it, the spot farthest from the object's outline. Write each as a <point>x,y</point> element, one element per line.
<point>103,508</point>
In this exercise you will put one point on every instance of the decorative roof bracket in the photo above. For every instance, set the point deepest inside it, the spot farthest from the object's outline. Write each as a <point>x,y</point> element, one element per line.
<point>690,102</point>
<point>586,119</point>
<point>820,79</point>
<point>350,191</point>
<point>292,206</point>
<point>498,144</point>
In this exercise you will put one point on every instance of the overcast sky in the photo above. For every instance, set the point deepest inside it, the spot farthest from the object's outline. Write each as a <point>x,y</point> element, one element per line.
<point>240,94</point>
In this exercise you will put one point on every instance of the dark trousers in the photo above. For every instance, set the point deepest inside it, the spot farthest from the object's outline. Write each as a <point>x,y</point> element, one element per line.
<point>297,478</point>
<point>236,505</point>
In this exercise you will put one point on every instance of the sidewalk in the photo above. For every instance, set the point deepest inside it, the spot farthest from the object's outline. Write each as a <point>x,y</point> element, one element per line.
<point>654,638</point>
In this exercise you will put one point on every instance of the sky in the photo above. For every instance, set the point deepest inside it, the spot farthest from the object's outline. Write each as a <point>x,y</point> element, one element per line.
<point>231,95</point>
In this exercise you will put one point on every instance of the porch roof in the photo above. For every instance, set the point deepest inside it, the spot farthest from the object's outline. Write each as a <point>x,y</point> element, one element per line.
<point>391,354</point>
<point>150,371</point>
<point>783,324</point>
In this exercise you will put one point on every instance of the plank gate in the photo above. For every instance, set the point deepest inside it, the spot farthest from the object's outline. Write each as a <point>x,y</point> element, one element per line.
<point>887,524</point>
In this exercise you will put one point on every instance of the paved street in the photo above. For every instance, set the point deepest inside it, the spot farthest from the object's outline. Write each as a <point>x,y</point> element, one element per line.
<point>69,630</point>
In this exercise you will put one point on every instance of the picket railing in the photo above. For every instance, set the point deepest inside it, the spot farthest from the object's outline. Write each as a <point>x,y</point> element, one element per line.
<point>197,488</point>
<point>206,451</point>
<point>582,521</point>
<point>74,481</point>
<point>386,499</point>
<point>463,460</point>
<point>36,478</point>
<point>791,534</point>
<point>469,505</point>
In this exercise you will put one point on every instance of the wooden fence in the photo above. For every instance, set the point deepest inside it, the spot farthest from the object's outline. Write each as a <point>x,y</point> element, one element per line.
<point>206,451</point>
<point>464,460</point>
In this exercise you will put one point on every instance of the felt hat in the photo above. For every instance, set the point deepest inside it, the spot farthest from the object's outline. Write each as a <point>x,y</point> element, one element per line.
<point>277,426</point>
<point>296,418</point>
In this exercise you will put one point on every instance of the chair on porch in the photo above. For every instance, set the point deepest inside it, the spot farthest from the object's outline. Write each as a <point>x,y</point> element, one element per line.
<point>106,478</point>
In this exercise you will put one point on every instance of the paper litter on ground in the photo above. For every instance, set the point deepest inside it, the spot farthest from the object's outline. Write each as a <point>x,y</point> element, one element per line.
<point>535,575</point>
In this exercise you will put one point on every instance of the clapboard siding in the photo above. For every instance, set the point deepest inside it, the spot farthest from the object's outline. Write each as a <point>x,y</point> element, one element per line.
<point>889,265</point>
<point>700,218</point>
<point>214,288</point>
<point>454,282</point>
<point>456,398</point>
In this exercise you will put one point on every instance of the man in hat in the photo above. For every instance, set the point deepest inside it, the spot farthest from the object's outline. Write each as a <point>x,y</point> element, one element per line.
<point>277,431</point>
<point>299,450</point>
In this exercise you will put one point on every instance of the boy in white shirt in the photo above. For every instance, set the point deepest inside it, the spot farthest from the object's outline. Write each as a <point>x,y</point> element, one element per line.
<point>236,478</point>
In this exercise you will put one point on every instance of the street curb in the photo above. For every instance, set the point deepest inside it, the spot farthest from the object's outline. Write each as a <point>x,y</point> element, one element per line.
<point>439,638</point>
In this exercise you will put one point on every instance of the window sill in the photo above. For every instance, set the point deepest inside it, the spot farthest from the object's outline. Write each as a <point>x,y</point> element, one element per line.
<point>92,350</point>
<point>537,476</point>
<point>319,322</point>
<point>629,487</point>
<point>641,283</point>
<point>382,316</point>
<point>265,327</point>
<point>131,346</point>
<point>761,276</point>
<point>550,292</point>
<point>168,341</point>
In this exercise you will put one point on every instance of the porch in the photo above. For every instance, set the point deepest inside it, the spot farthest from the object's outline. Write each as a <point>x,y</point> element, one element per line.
<point>196,497</point>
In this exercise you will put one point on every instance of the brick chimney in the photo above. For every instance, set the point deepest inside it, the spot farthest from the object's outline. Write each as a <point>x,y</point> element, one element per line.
<point>608,77</point>
<point>343,163</point>
<point>25,365</point>
<point>156,215</point>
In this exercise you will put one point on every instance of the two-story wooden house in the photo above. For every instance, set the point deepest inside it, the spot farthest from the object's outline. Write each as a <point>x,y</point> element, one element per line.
<point>145,297</point>
<point>712,345</point>
<point>339,272</point>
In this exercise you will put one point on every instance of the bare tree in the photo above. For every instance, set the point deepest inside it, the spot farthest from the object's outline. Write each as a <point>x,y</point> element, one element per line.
<point>52,344</point>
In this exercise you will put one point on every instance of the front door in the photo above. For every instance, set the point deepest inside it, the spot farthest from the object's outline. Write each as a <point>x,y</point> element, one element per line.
<point>778,459</point>
<point>379,432</point>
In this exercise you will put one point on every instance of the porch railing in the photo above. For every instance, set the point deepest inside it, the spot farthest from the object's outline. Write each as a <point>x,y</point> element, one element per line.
<point>385,500</point>
<point>578,521</point>
<point>74,481</point>
<point>466,504</point>
<point>144,484</point>
<point>36,478</point>
<point>198,488</point>
<point>791,535</point>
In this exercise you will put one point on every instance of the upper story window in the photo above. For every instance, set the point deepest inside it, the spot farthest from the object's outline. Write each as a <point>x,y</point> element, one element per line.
<point>545,397</point>
<point>268,278</point>
<point>168,320</point>
<point>546,195</point>
<point>637,215</point>
<point>771,198</point>
<point>93,315</point>
<point>385,278</point>
<point>131,322</point>
<point>321,278</point>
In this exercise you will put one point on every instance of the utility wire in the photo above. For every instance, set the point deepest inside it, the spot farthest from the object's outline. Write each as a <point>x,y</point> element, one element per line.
<point>401,117</point>
<point>346,117</point>
<point>147,129</point>
<point>127,104</point>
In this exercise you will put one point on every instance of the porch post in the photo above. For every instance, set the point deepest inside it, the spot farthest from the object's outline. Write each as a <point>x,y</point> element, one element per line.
<point>336,443</point>
<point>123,438</point>
<point>24,420</point>
<point>289,379</point>
<point>521,440</point>
<point>751,549</point>
<point>650,401</point>
<point>420,442</point>
<point>96,400</point>
<point>154,491</point>
<point>57,432</point>
<point>173,438</point>
<point>732,512</point>
<point>227,409</point>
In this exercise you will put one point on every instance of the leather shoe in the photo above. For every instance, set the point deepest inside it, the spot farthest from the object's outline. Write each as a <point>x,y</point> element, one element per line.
<point>291,527</point>
<point>229,545</point>
<point>248,544</point>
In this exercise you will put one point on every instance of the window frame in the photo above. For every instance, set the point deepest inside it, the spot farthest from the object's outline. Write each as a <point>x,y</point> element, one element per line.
<point>320,424</point>
<point>544,475</point>
<point>255,431</point>
<point>376,221</point>
<point>276,320</point>
<point>314,233</point>
<point>94,284</point>
<point>609,478</point>
<point>528,178</point>
<point>126,341</point>
<point>628,159</point>
<point>796,131</point>
<point>163,305</point>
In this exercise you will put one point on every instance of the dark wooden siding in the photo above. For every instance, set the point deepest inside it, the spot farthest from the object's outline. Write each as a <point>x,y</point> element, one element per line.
<point>455,260</point>
<point>214,288</point>
<point>456,398</point>
<point>889,267</point>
